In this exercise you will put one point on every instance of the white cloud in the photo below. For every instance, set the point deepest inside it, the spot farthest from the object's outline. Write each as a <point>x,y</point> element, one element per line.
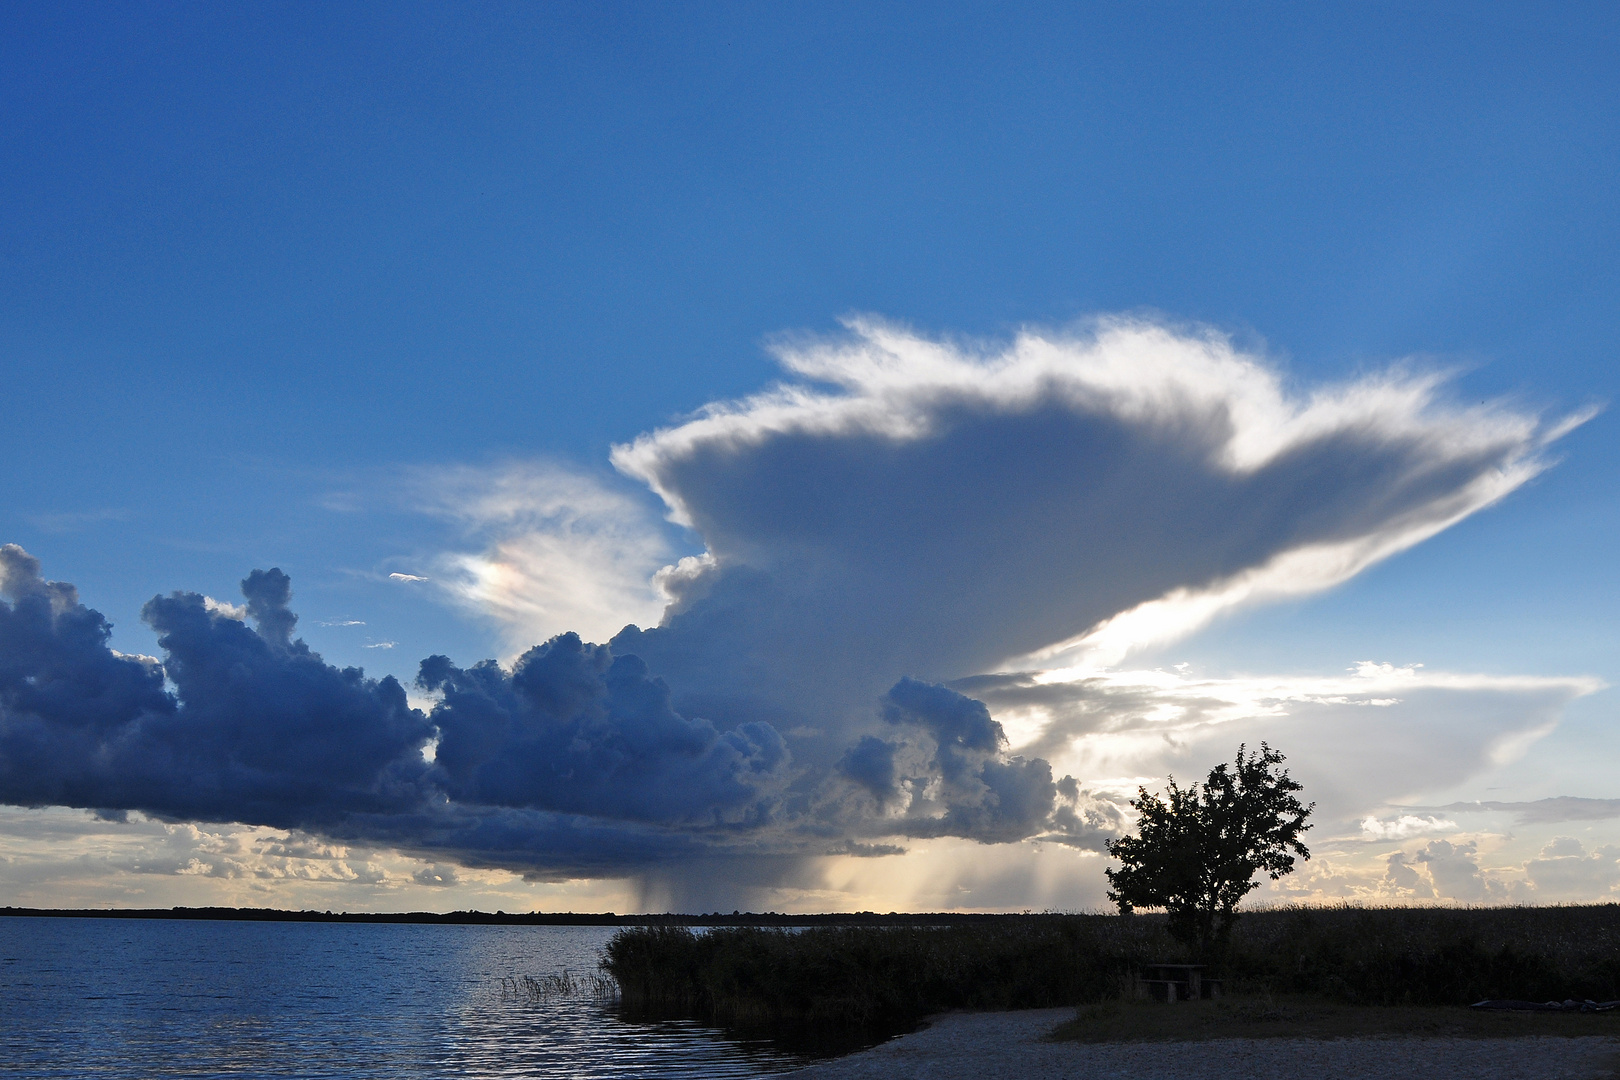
<point>1405,825</point>
<point>1377,735</point>
<point>557,550</point>
<point>230,611</point>
<point>75,520</point>
<point>69,858</point>
<point>405,577</point>
<point>1565,871</point>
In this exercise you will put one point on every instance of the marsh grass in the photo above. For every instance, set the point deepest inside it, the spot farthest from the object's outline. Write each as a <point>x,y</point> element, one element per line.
<point>863,983</point>
<point>828,989</point>
<point>1431,956</point>
<point>561,984</point>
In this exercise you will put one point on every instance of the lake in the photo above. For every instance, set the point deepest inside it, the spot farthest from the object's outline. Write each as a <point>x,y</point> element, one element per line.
<point>97,998</point>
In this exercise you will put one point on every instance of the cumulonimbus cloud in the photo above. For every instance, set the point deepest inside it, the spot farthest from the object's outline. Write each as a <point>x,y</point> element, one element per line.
<point>947,508</point>
<point>902,513</point>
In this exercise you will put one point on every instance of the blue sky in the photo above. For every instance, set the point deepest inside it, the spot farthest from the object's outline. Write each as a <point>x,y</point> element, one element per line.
<point>303,286</point>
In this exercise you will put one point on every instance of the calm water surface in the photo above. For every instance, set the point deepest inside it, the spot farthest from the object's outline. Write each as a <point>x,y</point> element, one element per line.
<point>132,998</point>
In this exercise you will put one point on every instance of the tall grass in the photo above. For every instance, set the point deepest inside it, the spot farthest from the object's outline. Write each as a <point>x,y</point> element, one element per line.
<point>863,982</point>
<point>561,984</point>
<point>1433,956</point>
<point>875,979</point>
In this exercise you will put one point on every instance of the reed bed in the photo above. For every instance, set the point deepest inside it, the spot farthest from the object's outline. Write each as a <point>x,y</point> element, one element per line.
<point>1432,956</point>
<point>561,984</point>
<point>880,979</point>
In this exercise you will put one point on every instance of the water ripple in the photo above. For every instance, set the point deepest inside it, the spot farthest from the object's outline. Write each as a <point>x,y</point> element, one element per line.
<point>117,999</point>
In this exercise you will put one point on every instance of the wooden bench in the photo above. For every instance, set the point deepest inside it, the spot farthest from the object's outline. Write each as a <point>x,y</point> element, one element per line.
<point>1166,990</point>
<point>1171,983</point>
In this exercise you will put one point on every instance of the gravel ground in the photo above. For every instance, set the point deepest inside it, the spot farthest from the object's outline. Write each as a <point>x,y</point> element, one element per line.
<point>1008,1046</point>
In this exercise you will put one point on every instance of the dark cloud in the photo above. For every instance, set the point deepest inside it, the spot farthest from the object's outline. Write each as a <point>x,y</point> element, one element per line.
<point>1401,875</point>
<point>870,763</point>
<point>1004,531</point>
<point>572,762</point>
<point>864,851</point>
<point>67,701</point>
<point>941,768</point>
<point>269,594</point>
<point>967,786</point>
<point>257,729</point>
<point>575,729</point>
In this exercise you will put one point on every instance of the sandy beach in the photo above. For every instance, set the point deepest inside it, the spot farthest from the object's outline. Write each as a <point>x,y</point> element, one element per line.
<point>1010,1046</point>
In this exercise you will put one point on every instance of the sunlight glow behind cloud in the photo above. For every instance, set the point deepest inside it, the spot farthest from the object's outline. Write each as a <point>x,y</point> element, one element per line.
<point>560,550</point>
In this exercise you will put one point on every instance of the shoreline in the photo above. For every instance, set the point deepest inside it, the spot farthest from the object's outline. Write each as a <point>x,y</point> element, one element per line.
<point>505,918</point>
<point>1012,1046</point>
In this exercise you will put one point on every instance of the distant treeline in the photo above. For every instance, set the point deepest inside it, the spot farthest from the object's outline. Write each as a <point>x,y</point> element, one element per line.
<point>502,918</point>
<point>880,979</point>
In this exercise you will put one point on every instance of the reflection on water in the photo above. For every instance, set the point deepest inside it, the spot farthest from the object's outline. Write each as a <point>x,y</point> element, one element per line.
<point>120,998</point>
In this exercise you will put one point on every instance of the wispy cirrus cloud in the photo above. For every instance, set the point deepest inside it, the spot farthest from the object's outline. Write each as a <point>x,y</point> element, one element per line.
<point>72,521</point>
<point>554,549</point>
<point>1540,811</point>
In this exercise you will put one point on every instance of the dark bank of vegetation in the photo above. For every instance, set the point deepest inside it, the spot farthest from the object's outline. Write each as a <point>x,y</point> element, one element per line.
<point>862,982</point>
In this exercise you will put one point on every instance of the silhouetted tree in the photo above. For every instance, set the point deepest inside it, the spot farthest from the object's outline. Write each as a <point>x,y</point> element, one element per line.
<point>1198,849</point>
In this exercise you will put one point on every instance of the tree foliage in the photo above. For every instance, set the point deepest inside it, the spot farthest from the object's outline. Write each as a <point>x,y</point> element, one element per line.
<point>1199,848</point>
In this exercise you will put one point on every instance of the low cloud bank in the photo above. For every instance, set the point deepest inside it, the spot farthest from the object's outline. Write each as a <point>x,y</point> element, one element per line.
<point>257,728</point>
<point>1451,871</point>
<point>573,761</point>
